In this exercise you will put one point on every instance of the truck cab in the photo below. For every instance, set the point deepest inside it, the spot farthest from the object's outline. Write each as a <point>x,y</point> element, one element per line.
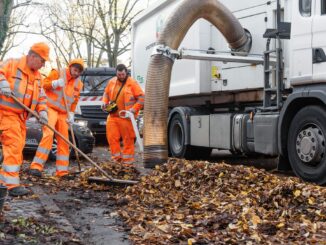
<point>88,109</point>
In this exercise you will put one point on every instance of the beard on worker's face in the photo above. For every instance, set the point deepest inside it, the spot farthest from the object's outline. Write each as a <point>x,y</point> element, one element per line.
<point>122,79</point>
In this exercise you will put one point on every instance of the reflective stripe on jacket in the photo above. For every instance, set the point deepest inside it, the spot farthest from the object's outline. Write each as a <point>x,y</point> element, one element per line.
<point>16,72</point>
<point>134,96</point>
<point>55,96</point>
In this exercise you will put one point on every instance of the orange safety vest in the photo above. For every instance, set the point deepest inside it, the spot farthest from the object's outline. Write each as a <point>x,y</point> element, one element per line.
<point>133,94</point>
<point>25,84</point>
<point>55,96</point>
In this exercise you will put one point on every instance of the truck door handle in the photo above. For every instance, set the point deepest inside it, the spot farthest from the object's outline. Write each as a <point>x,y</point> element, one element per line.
<point>318,55</point>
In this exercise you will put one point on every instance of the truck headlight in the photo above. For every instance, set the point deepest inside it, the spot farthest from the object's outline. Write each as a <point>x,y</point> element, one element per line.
<point>81,123</point>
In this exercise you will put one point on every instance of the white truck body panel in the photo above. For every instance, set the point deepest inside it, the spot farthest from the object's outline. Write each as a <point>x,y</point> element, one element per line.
<point>198,77</point>
<point>319,40</point>
<point>145,31</point>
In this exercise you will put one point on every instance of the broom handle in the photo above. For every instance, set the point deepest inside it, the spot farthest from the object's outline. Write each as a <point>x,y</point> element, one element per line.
<point>72,133</point>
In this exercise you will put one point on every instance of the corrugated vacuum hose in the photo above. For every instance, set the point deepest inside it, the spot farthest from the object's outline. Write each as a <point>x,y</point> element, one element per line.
<point>161,62</point>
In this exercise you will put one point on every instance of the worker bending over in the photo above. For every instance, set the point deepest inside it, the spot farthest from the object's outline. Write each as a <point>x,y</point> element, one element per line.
<point>21,78</point>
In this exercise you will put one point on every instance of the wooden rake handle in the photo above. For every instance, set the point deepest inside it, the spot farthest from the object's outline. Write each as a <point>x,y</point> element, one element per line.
<point>64,139</point>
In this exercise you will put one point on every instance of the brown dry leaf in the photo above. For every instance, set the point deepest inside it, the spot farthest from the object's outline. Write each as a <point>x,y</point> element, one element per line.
<point>191,241</point>
<point>165,228</point>
<point>177,183</point>
<point>280,225</point>
<point>255,220</point>
<point>297,193</point>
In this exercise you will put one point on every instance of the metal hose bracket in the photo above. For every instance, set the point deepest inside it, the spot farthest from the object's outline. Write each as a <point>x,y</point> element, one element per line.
<point>161,49</point>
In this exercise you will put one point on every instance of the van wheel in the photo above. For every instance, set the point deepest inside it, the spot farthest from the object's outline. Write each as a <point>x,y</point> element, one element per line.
<point>177,147</point>
<point>306,144</point>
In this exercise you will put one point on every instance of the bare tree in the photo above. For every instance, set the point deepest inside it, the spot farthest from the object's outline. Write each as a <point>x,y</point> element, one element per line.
<point>5,12</point>
<point>96,30</point>
<point>116,17</point>
<point>12,22</point>
<point>103,26</point>
<point>69,26</point>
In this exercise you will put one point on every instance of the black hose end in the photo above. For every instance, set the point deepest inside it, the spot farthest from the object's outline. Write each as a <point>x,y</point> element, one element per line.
<point>155,155</point>
<point>246,47</point>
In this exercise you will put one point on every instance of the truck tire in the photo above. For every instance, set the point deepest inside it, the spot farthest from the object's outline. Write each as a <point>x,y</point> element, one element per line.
<point>306,144</point>
<point>177,146</point>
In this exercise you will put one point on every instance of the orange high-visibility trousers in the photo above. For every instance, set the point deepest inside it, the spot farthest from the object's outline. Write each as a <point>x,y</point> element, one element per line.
<point>58,121</point>
<point>13,134</point>
<point>121,128</point>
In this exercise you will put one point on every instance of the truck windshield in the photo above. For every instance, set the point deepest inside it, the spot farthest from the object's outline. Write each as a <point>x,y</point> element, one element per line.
<point>94,85</point>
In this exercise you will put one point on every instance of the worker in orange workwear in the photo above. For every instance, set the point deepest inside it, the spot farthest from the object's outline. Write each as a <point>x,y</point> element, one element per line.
<point>21,78</point>
<point>122,93</point>
<point>67,81</point>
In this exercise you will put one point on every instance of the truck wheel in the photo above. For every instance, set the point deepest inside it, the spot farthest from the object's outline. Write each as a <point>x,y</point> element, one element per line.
<point>177,146</point>
<point>306,144</point>
<point>177,136</point>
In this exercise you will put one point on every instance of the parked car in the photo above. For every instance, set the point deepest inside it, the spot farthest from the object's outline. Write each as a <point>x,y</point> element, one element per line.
<point>89,105</point>
<point>84,138</point>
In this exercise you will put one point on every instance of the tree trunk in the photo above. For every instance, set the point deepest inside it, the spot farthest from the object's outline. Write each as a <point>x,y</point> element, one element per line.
<point>5,11</point>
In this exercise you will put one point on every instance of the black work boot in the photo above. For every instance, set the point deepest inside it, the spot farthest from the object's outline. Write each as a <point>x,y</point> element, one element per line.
<point>18,191</point>
<point>35,173</point>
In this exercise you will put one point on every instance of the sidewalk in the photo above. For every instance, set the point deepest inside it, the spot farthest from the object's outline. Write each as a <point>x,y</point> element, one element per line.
<point>60,212</point>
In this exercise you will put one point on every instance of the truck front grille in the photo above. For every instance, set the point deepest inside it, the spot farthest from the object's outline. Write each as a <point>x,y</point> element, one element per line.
<point>93,111</point>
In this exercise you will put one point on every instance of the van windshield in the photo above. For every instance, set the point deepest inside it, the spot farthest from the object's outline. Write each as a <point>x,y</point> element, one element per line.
<point>94,85</point>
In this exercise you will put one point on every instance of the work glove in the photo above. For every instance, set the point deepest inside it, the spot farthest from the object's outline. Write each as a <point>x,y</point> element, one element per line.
<point>5,88</point>
<point>71,118</point>
<point>43,117</point>
<point>58,83</point>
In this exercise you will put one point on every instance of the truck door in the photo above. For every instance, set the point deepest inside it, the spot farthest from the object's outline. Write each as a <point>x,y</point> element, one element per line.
<point>301,42</point>
<point>319,42</point>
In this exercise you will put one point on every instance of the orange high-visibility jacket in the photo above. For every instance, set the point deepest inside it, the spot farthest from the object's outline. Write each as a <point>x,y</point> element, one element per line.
<point>55,96</point>
<point>18,74</point>
<point>133,94</point>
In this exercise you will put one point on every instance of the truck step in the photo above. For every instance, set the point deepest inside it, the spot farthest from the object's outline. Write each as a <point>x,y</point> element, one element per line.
<point>270,70</point>
<point>270,51</point>
<point>270,89</point>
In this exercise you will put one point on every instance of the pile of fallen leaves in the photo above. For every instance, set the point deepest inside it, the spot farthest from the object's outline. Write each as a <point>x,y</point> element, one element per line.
<point>52,184</point>
<point>204,203</point>
<point>117,171</point>
<point>80,180</point>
